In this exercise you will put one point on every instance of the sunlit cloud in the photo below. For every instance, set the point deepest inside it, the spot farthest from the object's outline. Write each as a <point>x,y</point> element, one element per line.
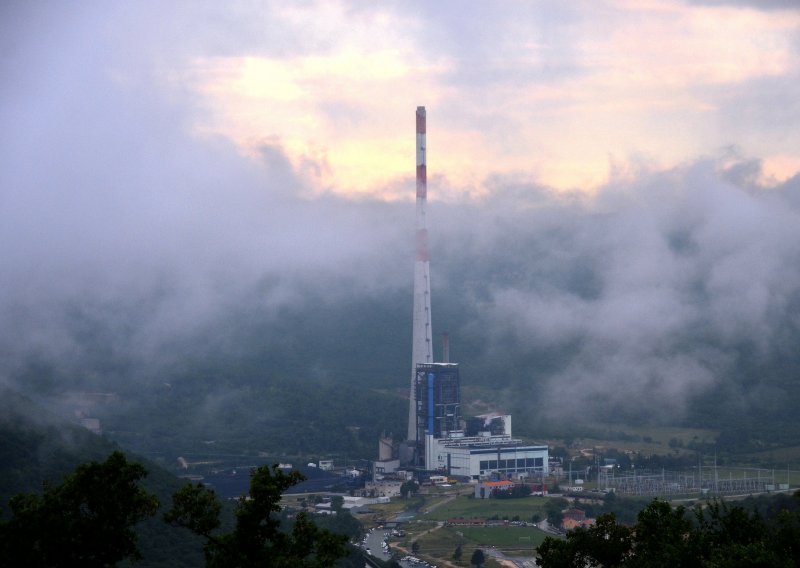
<point>779,168</point>
<point>649,81</point>
<point>348,114</point>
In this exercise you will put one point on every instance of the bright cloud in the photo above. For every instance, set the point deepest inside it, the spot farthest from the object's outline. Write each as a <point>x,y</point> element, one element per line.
<point>562,97</point>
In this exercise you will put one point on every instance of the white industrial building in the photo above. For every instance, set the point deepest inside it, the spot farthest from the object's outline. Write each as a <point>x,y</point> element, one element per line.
<point>480,456</point>
<point>469,448</point>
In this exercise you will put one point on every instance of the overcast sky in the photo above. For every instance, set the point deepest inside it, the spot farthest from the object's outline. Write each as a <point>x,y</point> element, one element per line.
<point>639,160</point>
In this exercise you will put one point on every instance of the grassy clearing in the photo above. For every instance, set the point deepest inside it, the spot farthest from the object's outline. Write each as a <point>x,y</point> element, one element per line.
<point>788,455</point>
<point>646,440</point>
<point>438,546</point>
<point>390,509</point>
<point>663,434</point>
<point>467,508</point>
<point>508,539</point>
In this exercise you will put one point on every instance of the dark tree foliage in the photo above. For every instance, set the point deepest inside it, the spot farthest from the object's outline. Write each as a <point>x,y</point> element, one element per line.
<point>337,501</point>
<point>718,536</point>
<point>604,544</point>
<point>478,558</point>
<point>87,520</point>
<point>257,539</point>
<point>457,553</point>
<point>553,508</point>
<point>625,510</point>
<point>408,488</point>
<point>341,523</point>
<point>660,537</point>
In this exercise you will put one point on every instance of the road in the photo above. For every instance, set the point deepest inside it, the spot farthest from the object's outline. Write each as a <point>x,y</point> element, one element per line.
<point>374,543</point>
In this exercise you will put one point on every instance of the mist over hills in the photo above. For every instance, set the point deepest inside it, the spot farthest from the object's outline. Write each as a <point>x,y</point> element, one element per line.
<point>672,298</point>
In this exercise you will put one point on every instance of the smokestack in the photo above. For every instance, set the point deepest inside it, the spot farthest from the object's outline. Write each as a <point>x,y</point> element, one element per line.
<point>422,345</point>
<point>445,347</point>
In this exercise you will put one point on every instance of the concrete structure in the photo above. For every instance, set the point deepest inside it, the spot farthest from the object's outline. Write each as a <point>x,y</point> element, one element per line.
<point>383,488</point>
<point>480,456</point>
<point>422,332</point>
<point>385,448</point>
<point>382,468</point>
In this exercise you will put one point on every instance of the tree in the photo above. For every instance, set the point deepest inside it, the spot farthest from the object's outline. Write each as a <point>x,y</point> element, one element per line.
<point>415,547</point>
<point>553,508</point>
<point>337,502</point>
<point>604,544</point>
<point>257,539</point>
<point>407,488</point>
<point>457,553</point>
<point>557,553</point>
<point>660,537</point>
<point>720,536</point>
<point>478,558</point>
<point>87,520</point>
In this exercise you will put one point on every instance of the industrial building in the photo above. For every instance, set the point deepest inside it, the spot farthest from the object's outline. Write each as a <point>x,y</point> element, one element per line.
<point>480,456</point>
<point>471,448</point>
<point>437,394</point>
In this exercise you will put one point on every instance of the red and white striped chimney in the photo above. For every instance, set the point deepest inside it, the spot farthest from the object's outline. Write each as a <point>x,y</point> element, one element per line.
<point>422,334</point>
<point>422,187</point>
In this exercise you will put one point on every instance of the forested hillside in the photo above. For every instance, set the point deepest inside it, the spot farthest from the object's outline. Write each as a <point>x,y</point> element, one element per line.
<point>37,447</point>
<point>326,377</point>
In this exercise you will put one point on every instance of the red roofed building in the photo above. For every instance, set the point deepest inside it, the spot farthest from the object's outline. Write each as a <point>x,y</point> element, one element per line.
<point>574,518</point>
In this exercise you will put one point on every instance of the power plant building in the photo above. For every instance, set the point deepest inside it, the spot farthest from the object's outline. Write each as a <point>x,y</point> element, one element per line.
<point>439,439</point>
<point>476,457</point>
<point>437,393</point>
<point>473,448</point>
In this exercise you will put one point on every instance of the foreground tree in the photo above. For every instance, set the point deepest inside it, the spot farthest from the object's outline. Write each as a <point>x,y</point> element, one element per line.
<point>257,539</point>
<point>718,536</point>
<point>478,558</point>
<point>606,544</point>
<point>87,520</point>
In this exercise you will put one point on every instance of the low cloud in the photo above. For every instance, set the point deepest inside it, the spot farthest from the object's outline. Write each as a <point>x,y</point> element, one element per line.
<point>647,291</point>
<point>129,236</point>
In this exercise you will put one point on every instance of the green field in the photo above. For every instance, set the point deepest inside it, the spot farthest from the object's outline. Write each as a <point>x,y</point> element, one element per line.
<point>467,508</point>
<point>645,440</point>
<point>440,543</point>
<point>508,539</point>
